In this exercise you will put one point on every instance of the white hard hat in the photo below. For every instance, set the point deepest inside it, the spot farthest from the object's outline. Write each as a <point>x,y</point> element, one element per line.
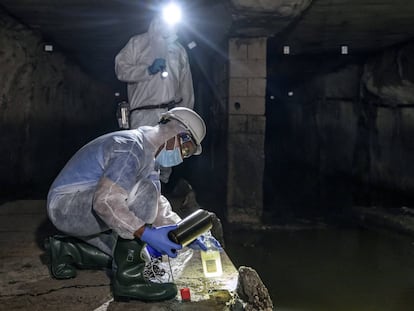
<point>192,122</point>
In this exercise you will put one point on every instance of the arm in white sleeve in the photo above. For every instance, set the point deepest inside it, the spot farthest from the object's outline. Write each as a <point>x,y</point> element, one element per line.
<point>111,204</point>
<point>165,215</point>
<point>129,63</point>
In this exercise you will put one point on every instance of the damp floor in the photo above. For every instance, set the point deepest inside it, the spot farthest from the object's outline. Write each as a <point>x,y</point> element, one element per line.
<point>25,282</point>
<point>329,269</point>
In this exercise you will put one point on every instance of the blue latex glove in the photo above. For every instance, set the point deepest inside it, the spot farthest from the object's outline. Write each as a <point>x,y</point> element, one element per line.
<point>214,244</point>
<point>158,239</point>
<point>157,65</point>
<point>198,244</point>
<point>153,252</point>
<point>204,242</point>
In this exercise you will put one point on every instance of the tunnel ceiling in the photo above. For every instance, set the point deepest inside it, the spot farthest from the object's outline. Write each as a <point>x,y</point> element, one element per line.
<point>93,31</point>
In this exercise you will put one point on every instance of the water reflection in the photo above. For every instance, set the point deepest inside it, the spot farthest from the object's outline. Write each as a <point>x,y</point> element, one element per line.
<point>330,269</point>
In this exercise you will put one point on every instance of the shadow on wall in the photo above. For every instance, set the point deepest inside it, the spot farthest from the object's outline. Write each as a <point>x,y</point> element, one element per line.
<point>331,142</point>
<point>49,108</point>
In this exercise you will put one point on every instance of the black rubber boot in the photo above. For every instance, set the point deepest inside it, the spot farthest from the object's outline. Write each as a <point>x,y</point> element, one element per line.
<point>129,281</point>
<point>68,253</point>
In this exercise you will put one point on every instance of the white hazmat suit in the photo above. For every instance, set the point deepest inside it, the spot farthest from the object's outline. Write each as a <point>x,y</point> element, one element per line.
<point>107,201</point>
<point>150,90</point>
<point>112,183</point>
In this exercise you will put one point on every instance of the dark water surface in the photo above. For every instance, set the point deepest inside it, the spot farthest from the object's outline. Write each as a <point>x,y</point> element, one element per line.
<point>330,269</point>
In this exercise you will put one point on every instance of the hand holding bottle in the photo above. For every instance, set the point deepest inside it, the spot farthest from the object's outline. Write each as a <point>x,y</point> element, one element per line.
<point>157,237</point>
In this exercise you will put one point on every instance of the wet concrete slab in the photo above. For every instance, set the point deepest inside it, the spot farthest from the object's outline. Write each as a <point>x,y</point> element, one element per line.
<point>396,219</point>
<point>25,282</point>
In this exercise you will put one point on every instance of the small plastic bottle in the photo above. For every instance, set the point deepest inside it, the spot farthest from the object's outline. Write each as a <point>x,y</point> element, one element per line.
<point>211,259</point>
<point>123,115</point>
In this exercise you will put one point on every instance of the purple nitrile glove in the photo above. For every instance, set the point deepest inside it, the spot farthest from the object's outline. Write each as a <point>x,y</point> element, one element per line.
<point>157,66</point>
<point>198,244</point>
<point>157,238</point>
<point>204,242</point>
<point>153,252</point>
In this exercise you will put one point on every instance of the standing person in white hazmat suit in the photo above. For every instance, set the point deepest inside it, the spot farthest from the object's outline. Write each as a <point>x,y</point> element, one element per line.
<point>156,69</point>
<point>155,66</point>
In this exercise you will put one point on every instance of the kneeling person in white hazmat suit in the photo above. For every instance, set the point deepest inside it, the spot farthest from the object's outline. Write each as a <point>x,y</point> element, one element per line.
<point>107,201</point>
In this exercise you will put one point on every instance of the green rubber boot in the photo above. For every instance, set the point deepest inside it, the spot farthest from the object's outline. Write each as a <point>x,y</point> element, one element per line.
<point>129,281</point>
<point>68,253</point>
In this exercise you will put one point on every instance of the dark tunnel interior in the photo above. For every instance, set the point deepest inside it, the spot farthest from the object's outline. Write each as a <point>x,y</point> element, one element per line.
<point>306,164</point>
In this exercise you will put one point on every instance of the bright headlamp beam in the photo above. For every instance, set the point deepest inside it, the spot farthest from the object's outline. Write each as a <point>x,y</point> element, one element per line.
<point>171,14</point>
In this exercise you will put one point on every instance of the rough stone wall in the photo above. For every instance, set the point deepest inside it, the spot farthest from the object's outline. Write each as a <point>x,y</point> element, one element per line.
<point>338,133</point>
<point>388,92</point>
<point>48,109</point>
<point>218,127</point>
<point>285,8</point>
<point>207,173</point>
<point>246,124</point>
<point>311,136</point>
<point>252,18</point>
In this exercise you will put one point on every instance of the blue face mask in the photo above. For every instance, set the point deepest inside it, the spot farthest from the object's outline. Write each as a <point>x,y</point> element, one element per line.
<point>169,158</point>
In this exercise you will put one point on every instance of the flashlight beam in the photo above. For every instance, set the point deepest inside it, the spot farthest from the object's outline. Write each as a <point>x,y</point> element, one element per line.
<point>171,13</point>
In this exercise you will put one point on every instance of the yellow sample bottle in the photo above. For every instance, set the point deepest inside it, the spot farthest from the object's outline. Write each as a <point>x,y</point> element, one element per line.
<point>211,260</point>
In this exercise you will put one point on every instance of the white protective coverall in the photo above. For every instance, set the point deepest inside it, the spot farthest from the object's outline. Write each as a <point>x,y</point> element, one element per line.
<point>110,183</point>
<point>131,66</point>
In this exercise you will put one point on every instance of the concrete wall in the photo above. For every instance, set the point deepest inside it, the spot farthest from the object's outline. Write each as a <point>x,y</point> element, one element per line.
<point>48,109</point>
<point>207,173</point>
<point>338,133</point>
<point>246,124</point>
<point>218,128</point>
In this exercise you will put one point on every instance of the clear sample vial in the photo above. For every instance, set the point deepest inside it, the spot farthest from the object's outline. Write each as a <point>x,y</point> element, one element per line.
<point>211,260</point>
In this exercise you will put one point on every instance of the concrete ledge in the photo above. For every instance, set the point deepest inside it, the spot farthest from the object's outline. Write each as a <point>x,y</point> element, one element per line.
<point>399,219</point>
<point>25,283</point>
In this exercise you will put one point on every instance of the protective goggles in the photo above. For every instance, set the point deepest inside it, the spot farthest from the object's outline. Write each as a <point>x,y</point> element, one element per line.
<point>187,145</point>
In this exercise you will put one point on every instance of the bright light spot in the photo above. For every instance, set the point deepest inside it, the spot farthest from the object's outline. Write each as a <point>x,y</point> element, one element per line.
<point>164,74</point>
<point>286,49</point>
<point>192,45</point>
<point>290,93</point>
<point>48,48</point>
<point>171,14</point>
<point>344,49</point>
